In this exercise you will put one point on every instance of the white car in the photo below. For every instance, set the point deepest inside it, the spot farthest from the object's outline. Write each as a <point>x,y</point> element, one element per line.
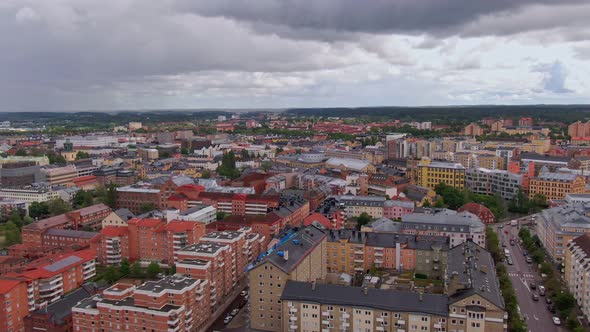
<point>235,312</point>
<point>244,293</point>
<point>227,319</point>
<point>556,321</point>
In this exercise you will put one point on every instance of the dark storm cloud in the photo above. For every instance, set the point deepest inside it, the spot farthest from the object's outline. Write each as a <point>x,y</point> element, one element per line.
<point>437,17</point>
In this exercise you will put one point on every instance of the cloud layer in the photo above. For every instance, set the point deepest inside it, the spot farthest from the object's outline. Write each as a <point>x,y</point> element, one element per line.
<point>121,54</point>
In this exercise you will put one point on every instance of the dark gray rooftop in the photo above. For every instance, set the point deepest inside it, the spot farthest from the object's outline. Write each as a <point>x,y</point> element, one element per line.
<point>297,247</point>
<point>474,266</point>
<point>204,247</point>
<point>70,233</point>
<point>381,299</point>
<point>62,308</point>
<point>390,240</point>
<point>174,282</point>
<point>222,235</point>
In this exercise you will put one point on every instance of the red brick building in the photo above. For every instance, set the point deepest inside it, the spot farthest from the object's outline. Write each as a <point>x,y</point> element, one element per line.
<point>174,303</point>
<point>91,216</point>
<point>13,300</point>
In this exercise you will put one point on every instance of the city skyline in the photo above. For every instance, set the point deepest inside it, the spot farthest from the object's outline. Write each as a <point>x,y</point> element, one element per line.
<point>71,56</point>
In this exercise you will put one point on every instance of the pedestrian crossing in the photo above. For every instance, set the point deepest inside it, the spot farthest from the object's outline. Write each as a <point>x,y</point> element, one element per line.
<point>525,275</point>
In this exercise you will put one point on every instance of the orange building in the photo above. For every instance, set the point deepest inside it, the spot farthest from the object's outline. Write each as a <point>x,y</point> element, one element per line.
<point>175,303</point>
<point>13,304</point>
<point>557,185</point>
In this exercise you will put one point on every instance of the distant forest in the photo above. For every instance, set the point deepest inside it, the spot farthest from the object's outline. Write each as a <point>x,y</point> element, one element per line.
<point>453,114</point>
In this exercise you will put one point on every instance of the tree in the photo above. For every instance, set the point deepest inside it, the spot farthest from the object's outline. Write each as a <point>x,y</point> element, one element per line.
<point>453,197</point>
<point>21,152</point>
<point>11,234</point>
<point>136,270</point>
<point>220,215</point>
<point>266,165</point>
<point>82,155</point>
<point>228,166</point>
<point>153,269</point>
<point>83,198</point>
<point>279,150</point>
<point>564,302</point>
<point>38,210</point>
<point>58,206</point>
<point>206,174</point>
<point>184,151</point>
<point>111,198</point>
<point>55,158</point>
<point>16,217</point>
<point>146,207</point>
<point>124,268</point>
<point>111,275</point>
<point>426,204</point>
<point>363,219</point>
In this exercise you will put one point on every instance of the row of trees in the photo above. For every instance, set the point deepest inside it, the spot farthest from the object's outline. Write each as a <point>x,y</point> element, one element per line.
<point>523,204</point>
<point>515,322</point>
<point>564,301</point>
<point>112,274</point>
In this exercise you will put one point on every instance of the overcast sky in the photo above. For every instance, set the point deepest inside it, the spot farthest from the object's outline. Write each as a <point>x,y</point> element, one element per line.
<point>134,54</point>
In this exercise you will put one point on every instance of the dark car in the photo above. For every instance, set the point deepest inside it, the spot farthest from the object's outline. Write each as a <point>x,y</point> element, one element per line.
<point>524,253</point>
<point>548,300</point>
<point>533,286</point>
<point>535,297</point>
<point>551,308</point>
<point>529,260</point>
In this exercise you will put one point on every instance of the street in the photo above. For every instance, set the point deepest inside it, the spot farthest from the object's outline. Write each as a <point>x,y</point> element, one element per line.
<point>239,322</point>
<point>522,274</point>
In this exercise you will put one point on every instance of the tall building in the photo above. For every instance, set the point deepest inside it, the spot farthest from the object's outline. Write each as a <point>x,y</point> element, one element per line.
<point>489,182</point>
<point>174,303</point>
<point>431,173</point>
<point>300,257</point>
<point>559,225</point>
<point>473,129</point>
<point>579,129</point>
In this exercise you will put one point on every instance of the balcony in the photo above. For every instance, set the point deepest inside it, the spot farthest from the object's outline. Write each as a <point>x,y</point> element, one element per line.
<point>359,252</point>
<point>293,310</point>
<point>380,319</point>
<point>356,260</point>
<point>380,328</point>
<point>345,315</point>
<point>401,322</point>
<point>378,254</point>
<point>378,261</point>
<point>293,327</point>
<point>358,268</point>
<point>293,319</point>
<point>325,314</point>
<point>325,322</point>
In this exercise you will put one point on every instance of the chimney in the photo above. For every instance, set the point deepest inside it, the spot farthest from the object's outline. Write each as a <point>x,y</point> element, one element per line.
<point>286,255</point>
<point>313,283</point>
<point>366,290</point>
<point>421,294</point>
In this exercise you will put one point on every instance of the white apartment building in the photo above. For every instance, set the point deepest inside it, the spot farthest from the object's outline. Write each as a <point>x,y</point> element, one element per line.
<point>199,213</point>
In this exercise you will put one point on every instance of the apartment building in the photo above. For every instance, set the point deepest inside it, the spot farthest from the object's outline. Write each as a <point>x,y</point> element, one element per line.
<point>300,257</point>
<point>151,240</point>
<point>155,192</point>
<point>14,304</point>
<point>49,278</point>
<point>474,160</point>
<point>240,204</point>
<point>91,216</point>
<point>354,206</point>
<point>309,306</point>
<point>557,185</point>
<point>559,225</point>
<point>210,261</point>
<point>475,301</point>
<point>473,129</point>
<point>395,209</point>
<point>577,271</point>
<point>489,182</point>
<point>351,252</point>
<point>431,173</point>
<point>458,226</point>
<point>174,303</point>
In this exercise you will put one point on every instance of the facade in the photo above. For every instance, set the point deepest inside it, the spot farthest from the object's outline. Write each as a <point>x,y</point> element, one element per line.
<point>458,226</point>
<point>473,129</point>
<point>489,182</point>
<point>557,185</point>
<point>431,173</point>
<point>559,225</point>
<point>354,206</point>
<point>199,213</point>
<point>577,271</point>
<point>307,306</point>
<point>174,303</point>
<point>59,175</point>
<point>352,252</point>
<point>29,194</point>
<point>14,300</point>
<point>298,258</point>
<point>395,209</point>
<point>579,129</point>
<point>91,216</point>
<point>240,204</point>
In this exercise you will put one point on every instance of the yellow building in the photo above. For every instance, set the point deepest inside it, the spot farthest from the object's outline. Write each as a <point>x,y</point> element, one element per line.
<point>557,185</point>
<point>431,173</point>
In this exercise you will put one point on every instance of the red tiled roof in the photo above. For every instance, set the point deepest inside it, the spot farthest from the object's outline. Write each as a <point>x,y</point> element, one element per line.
<point>7,284</point>
<point>177,197</point>
<point>113,231</point>
<point>147,222</point>
<point>317,217</point>
<point>52,265</point>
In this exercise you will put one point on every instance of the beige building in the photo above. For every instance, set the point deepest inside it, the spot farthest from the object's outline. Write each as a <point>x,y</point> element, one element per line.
<point>557,185</point>
<point>431,173</point>
<point>310,306</point>
<point>473,129</point>
<point>301,258</point>
<point>59,175</point>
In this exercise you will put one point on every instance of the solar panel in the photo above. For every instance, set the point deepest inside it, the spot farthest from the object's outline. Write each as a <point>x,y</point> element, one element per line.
<point>63,263</point>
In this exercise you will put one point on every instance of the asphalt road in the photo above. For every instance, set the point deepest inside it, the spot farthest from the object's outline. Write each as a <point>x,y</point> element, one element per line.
<point>238,323</point>
<point>537,317</point>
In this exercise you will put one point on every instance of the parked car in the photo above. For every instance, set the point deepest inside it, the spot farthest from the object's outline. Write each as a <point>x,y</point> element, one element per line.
<point>548,300</point>
<point>551,308</point>
<point>541,290</point>
<point>504,245</point>
<point>525,253</point>
<point>509,260</point>
<point>535,297</point>
<point>512,242</point>
<point>556,321</point>
<point>227,319</point>
<point>244,293</point>
<point>529,260</point>
<point>235,312</point>
<point>533,286</point>
<point>500,226</point>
